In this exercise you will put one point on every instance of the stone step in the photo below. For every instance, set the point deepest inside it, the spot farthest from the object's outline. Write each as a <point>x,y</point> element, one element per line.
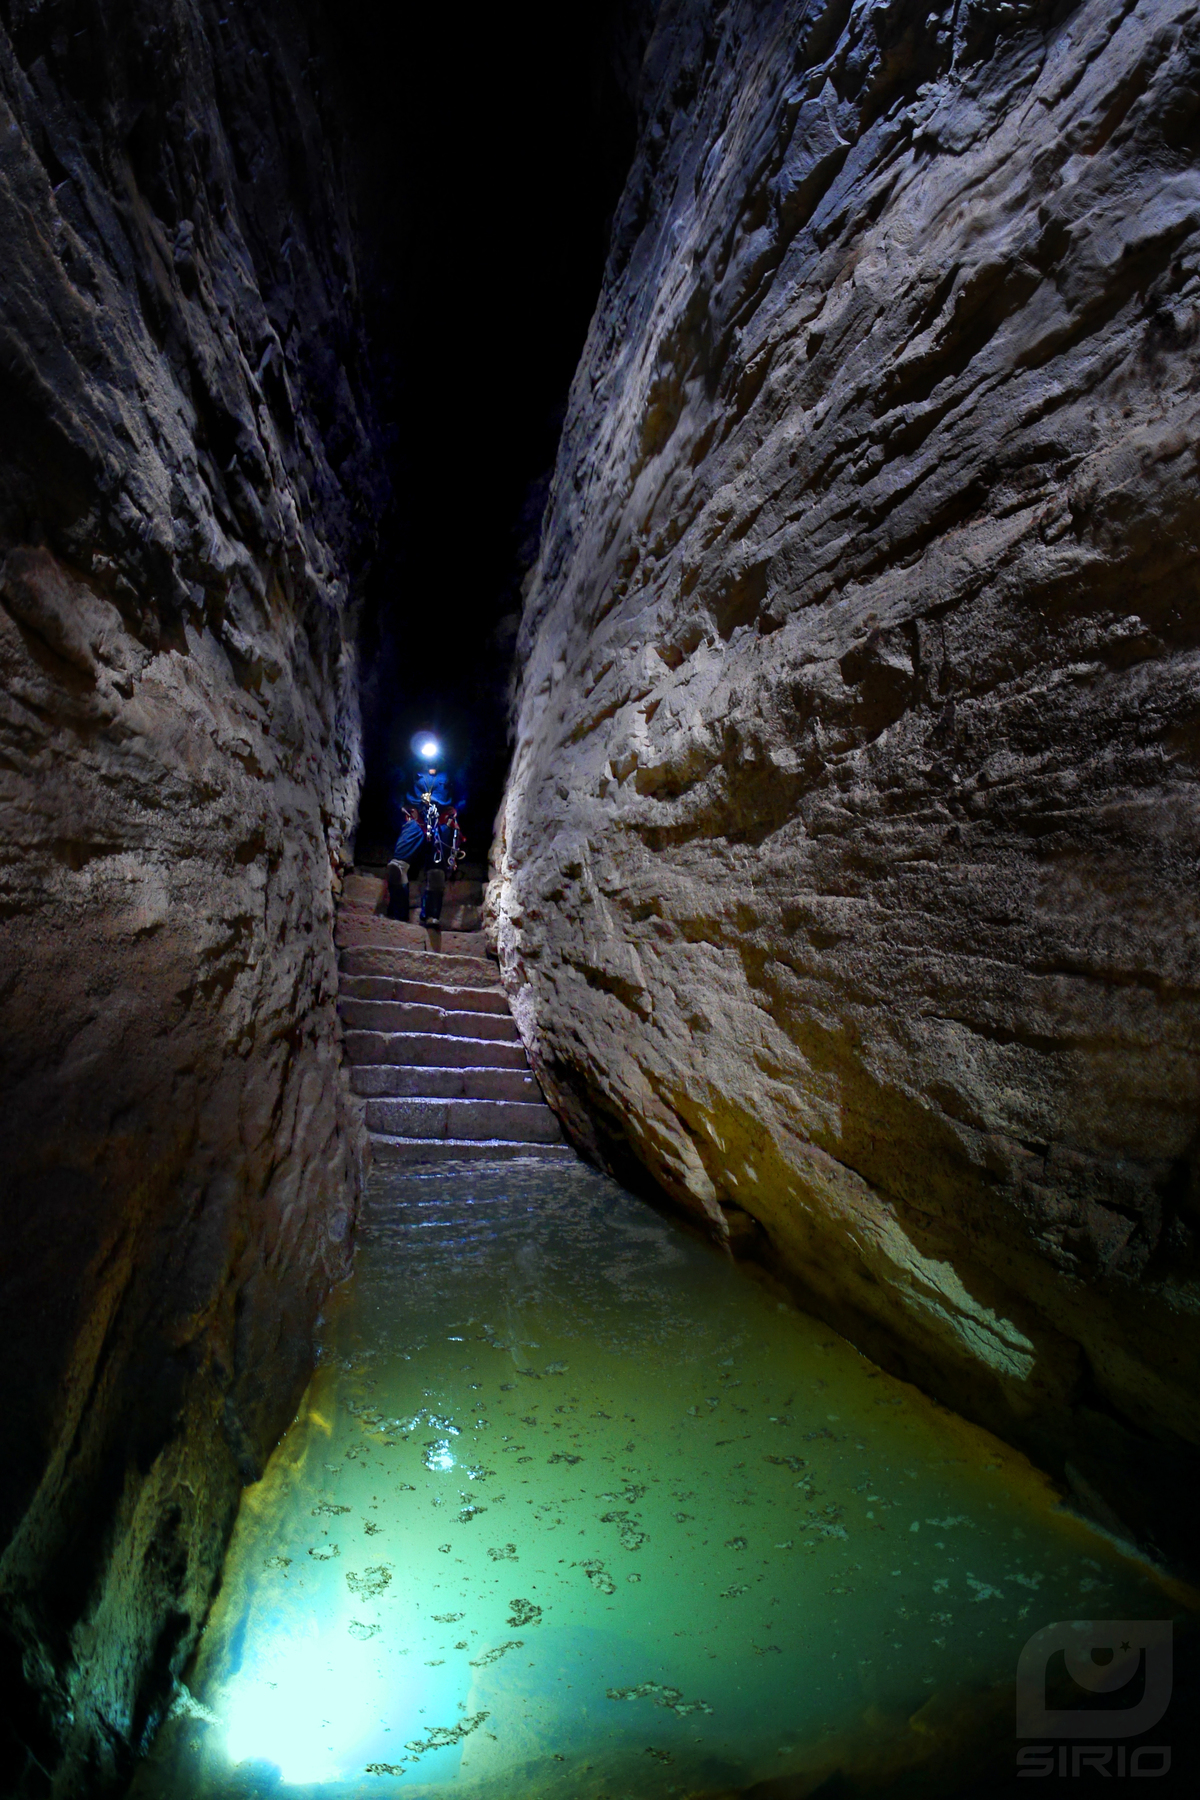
<point>506,1121</point>
<point>425,993</point>
<point>420,965</point>
<point>428,1049</point>
<point>387,1080</point>
<point>462,901</point>
<point>370,890</point>
<point>387,1149</point>
<point>358,925</point>
<point>377,865</point>
<point>460,920</point>
<point>399,1015</point>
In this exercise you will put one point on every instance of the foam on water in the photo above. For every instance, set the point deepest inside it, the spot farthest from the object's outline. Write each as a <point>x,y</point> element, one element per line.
<point>573,1506</point>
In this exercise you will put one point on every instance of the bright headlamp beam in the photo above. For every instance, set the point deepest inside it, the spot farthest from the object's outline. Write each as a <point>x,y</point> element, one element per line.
<point>429,749</point>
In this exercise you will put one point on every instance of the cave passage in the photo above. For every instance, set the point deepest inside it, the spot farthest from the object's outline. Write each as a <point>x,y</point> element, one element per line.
<point>574,1505</point>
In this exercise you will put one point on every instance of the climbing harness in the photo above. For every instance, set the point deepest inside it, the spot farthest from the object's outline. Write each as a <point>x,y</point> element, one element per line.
<point>441,829</point>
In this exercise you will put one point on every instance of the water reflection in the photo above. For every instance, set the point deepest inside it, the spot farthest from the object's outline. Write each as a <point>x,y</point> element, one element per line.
<point>574,1507</point>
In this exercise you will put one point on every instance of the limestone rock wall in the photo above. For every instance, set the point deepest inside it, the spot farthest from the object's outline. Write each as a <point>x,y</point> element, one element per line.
<point>186,485</point>
<point>846,876</point>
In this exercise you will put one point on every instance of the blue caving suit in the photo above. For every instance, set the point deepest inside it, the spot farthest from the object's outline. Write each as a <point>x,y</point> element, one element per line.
<point>414,849</point>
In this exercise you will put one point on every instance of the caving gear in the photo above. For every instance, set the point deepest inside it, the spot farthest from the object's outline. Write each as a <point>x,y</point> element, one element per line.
<point>430,839</point>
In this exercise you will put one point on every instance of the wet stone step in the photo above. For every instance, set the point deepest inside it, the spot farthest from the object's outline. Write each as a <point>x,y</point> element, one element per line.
<point>357,925</point>
<point>398,1015</point>
<point>428,1049</point>
<point>381,1080</point>
<point>387,1149</point>
<point>419,965</point>
<point>427,993</point>
<point>508,1121</point>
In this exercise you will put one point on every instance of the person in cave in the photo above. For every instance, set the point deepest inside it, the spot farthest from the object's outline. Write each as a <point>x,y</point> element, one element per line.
<point>430,841</point>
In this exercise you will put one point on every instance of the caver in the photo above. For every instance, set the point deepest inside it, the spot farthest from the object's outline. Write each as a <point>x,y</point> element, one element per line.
<point>430,841</point>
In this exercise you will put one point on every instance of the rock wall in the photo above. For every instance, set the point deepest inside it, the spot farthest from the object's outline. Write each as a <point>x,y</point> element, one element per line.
<point>186,485</point>
<point>846,876</point>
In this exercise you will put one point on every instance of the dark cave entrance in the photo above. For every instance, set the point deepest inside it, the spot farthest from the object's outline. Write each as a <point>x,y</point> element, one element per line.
<point>492,153</point>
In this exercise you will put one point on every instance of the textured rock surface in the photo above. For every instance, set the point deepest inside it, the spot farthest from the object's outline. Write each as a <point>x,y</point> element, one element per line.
<point>183,467</point>
<point>847,866</point>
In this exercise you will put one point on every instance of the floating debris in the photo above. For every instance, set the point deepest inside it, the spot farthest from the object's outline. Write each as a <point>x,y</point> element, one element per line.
<point>324,1552</point>
<point>540,1250</point>
<point>631,1537</point>
<point>982,1590</point>
<point>440,1737</point>
<point>599,1577</point>
<point>494,1655</point>
<point>671,1698</point>
<point>371,1582</point>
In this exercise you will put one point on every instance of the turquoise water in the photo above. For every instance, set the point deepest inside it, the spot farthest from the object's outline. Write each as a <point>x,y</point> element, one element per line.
<point>575,1506</point>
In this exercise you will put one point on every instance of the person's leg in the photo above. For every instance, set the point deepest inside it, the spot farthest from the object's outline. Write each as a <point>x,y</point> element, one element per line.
<point>431,897</point>
<point>435,882</point>
<point>408,845</point>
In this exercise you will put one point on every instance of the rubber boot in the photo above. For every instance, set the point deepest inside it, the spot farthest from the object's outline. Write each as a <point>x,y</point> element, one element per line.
<point>431,901</point>
<point>397,881</point>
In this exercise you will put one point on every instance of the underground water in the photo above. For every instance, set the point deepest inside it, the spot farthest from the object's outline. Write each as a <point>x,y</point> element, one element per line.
<point>576,1506</point>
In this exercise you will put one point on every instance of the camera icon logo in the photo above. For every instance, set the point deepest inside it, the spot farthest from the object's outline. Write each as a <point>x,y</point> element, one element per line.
<point>1102,1656</point>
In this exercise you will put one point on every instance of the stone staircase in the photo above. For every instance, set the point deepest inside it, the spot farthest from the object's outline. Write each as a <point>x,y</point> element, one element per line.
<point>434,1050</point>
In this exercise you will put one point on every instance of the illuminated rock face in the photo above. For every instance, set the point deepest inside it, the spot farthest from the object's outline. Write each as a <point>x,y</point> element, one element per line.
<point>846,875</point>
<point>182,456</point>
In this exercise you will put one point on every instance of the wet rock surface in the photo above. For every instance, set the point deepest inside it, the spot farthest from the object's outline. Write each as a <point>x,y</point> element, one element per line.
<point>185,471</point>
<point>845,878</point>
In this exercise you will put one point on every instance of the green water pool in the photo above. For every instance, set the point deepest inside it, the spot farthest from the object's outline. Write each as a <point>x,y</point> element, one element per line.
<point>574,1506</point>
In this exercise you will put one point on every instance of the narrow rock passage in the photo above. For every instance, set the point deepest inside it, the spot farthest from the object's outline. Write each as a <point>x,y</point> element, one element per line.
<point>435,1052</point>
